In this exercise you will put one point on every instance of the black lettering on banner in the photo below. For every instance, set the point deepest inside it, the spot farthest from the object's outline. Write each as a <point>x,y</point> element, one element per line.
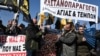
<point>2,39</point>
<point>58,12</point>
<point>24,47</point>
<point>80,14</point>
<point>64,12</point>
<point>45,1</point>
<point>86,15</point>
<point>58,4</point>
<point>74,14</point>
<point>68,13</point>
<point>6,48</point>
<point>16,48</point>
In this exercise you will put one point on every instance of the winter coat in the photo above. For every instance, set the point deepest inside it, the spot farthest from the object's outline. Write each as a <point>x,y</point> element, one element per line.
<point>32,37</point>
<point>82,46</point>
<point>13,31</point>
<point>68,41</point>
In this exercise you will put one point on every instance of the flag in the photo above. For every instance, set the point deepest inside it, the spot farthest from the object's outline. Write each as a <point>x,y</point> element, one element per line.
<point>27,18</point>
<point>8,2</point>
<point>24,7</point>
<point>89,34</point>
<point>42,18</point>
<point>63,22</point>
<point>50,19</point>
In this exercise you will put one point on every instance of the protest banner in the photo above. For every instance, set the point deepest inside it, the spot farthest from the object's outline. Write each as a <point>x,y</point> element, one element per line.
<point>12,45</point>
<point>70,9</point>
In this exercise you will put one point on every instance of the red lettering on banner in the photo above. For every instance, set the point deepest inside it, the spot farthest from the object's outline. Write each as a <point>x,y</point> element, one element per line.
<point>22,38</point>
<point>69,4</point>
<point>45,1</point>
<point>2,39</point>
<point>13,39</point>
<point>14,45</point>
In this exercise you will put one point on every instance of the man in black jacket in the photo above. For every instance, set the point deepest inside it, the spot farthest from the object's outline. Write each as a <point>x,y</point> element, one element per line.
<point>32,38</point>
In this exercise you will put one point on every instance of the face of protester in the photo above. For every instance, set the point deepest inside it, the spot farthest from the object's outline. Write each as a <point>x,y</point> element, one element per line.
<point>67,27</point>
<point>34,21</point>
<point>81,30</point>
<point>9,22</point>
<point>14,23</point>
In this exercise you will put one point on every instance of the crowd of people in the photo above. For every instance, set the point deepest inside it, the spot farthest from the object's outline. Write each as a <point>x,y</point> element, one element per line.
<point>12,28</point>
<point>44,41</point>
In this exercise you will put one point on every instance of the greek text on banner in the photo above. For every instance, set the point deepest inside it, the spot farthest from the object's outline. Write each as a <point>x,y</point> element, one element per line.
<point>12,45</point>
<point>70,9</point>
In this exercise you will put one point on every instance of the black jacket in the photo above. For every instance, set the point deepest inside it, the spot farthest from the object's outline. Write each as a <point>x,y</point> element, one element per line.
<point>13,31</point>
<point>32,37</point>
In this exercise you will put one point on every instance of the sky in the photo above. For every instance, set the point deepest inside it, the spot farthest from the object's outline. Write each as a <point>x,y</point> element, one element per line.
<point>35,8</point>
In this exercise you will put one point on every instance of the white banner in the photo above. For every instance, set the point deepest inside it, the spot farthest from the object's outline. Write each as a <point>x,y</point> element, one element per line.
<point>12,45</point>
<point>70,9</point>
